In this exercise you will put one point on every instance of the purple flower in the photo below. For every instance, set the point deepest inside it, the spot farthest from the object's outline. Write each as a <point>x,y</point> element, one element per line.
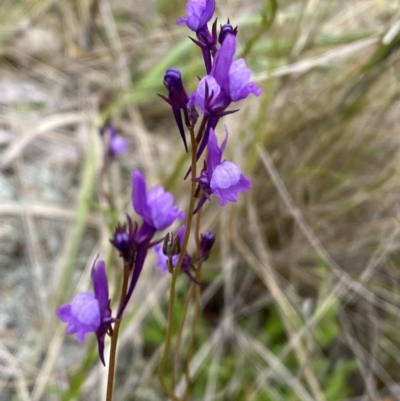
<point>232,76</point>
<point>227,82</point>
<point>177,98</point>
<point>90,314</point>
<point>158,212</point>
<point>221,178</point>
<point>156,206</point>
<point>198,14</point>
<point>82,315</point>
<point>208,96</point>
<point>239,85</point>
<point>115,143</point>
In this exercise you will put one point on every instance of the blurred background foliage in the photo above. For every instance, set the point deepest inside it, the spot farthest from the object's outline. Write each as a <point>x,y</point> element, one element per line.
<point>302,296</point>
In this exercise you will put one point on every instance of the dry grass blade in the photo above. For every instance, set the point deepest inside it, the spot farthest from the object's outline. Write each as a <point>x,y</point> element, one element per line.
<point>263,267</point>
<point>275,365</point>
<point>51,123</point>
<point>43,210</point>
<point>15,370</point>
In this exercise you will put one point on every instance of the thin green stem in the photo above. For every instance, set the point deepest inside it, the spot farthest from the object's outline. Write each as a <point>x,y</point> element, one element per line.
<point>191,340</point>
<point>167,347</point>
<point>197,234</point>
<point>182,325</point>
<point>114,338</point>
<point>189,218</point>
<point>196,310</point>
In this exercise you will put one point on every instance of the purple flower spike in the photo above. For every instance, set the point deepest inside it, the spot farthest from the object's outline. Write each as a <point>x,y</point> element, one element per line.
<point>115,143</point>
<point>227,82</point>
<point>221,178</point>
<point>90,314</point>
<point>199,13</point>
<point>156,206</point>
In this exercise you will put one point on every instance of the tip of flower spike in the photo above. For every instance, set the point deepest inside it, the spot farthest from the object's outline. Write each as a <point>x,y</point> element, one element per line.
<point>198,14</point>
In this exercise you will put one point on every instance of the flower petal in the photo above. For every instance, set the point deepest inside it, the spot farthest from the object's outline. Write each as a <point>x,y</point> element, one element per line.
<point>85,309</point>
<point>64,312</point>
<point>223,60</point>
<point>214,153</point>
<point>207,86</point>
<point>227,181</point>
<point>100,286</point>
<point>198,12</point>
<point>225,175</point>
<point>239,85</point>
<point>82,315</point>
<point>139,193</point>
<point>156,207</point>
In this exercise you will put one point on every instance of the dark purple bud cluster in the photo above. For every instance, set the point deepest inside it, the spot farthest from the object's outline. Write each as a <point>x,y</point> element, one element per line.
<point>124,239</point>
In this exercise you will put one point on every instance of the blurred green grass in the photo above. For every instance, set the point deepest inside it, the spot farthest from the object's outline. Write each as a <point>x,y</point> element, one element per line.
<point>296,329</point>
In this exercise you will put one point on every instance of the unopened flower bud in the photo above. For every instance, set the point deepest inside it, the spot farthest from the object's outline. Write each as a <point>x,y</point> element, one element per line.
<point>206,244</point>
<point>226,29</point>
<point>177,98</point>
<point>124,239</point>
<point>171,246</point>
